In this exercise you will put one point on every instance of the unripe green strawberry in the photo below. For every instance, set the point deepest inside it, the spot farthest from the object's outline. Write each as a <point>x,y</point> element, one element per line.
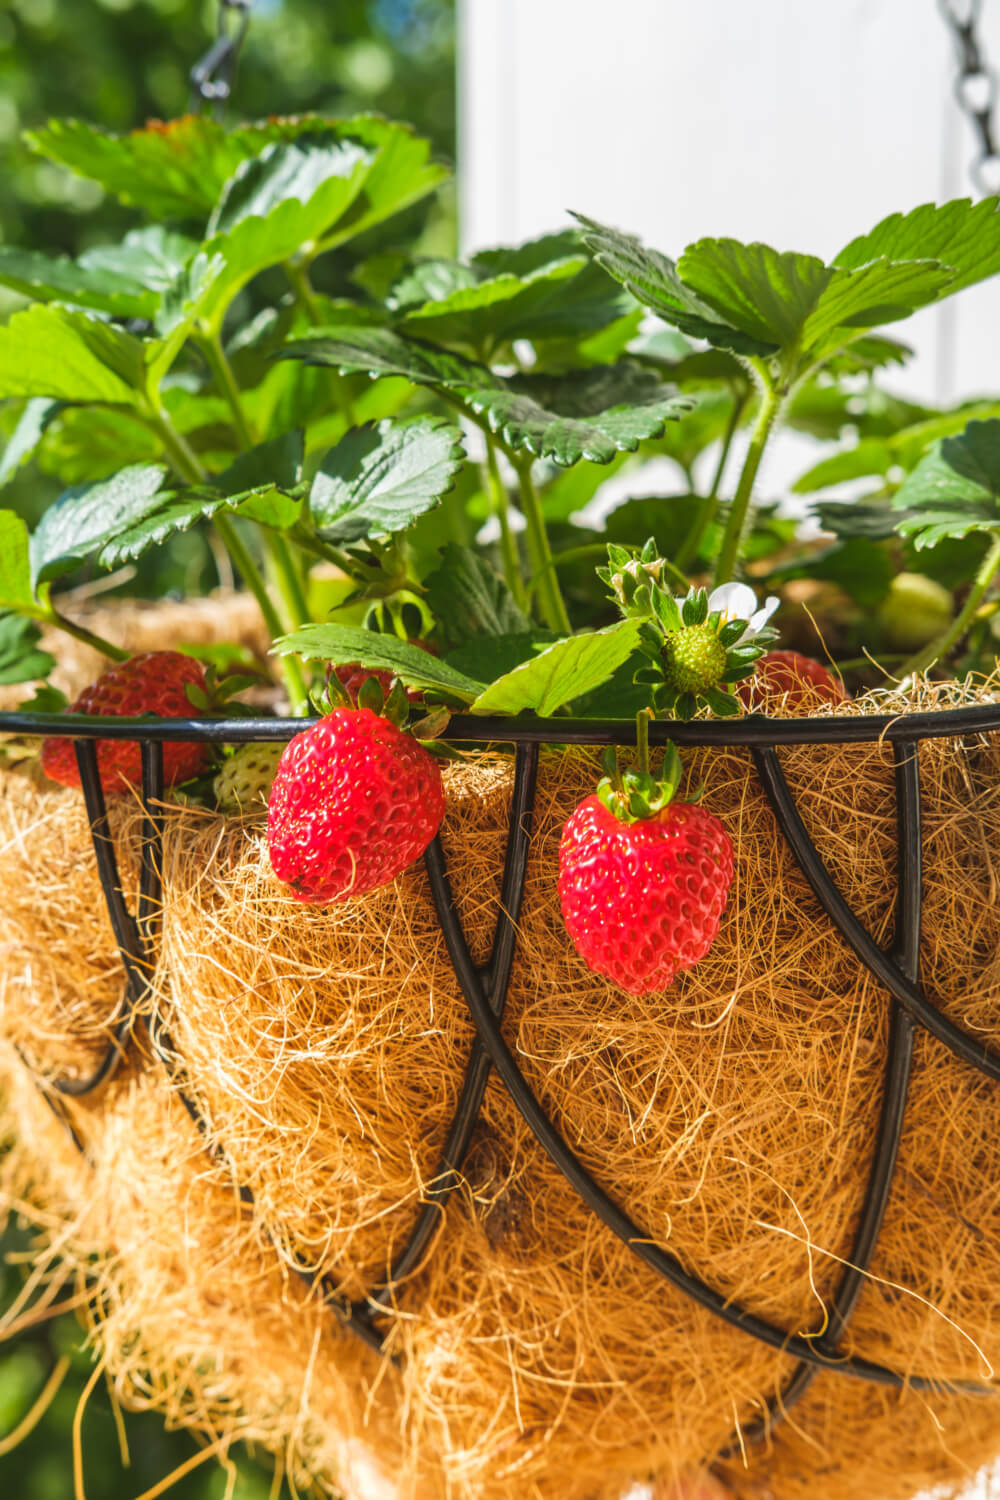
<point>354,801</point>
<point>642,899</point>
<point>694,658</point>
<point>244,782</point>
<point>915,611</point>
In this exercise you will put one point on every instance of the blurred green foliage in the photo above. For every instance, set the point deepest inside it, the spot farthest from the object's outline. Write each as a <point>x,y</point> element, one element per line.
<point>118,63</point>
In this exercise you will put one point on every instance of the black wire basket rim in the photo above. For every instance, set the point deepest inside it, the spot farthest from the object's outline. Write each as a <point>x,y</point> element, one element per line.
<point>525,729</point>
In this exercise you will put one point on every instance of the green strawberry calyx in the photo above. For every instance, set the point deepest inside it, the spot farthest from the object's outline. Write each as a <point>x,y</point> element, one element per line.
<point>635,794</point>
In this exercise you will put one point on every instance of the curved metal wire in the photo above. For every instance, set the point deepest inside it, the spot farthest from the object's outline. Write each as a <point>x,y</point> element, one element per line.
<point>485,990</point>
<point>899,1066</point>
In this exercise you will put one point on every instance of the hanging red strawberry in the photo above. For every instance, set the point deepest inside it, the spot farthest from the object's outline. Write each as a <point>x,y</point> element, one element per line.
<point>643,880</point>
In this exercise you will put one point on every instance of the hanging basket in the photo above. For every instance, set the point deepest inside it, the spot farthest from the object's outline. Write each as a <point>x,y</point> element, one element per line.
<point>402,1191</point>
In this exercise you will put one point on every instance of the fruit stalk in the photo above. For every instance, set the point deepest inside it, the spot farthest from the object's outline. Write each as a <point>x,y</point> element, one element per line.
<point>52,616</point>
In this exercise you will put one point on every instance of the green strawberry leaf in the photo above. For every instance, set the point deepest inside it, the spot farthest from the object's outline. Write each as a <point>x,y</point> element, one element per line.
<point>795,301</point>
<point>959,234</point>
<point>902,448</point>
<point>276,463</point>
<point>488,657</point>
<point>176,170</point>
<point>322,174</point>
<point>86,443</point>
<point>870,456</point>
<point>652,278</point>
<point>468,599</point>
<point>47,278</point>
<point>401,174</point>
<point>403,284</point>
<point>566,418</point>
<point>176,514</point>
<point>754,288</point>
<point>27,435</point>
<point>380,478</point>
<point>955,489</point>
<point>578,424</point>
<point>563,671</point>
<point>20,658</point>
<point>151,257</point>
<point>70,356</point>
<point>547,289</point>
<point>343,644</point>
<point>857,519</point>
<point>15,567</point>
<point>87,518</point>
<point>381,351</point>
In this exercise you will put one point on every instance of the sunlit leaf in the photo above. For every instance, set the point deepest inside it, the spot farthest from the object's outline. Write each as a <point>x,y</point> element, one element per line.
<point>340,644</point>
<point>379,479</point>
<point>561,672</point>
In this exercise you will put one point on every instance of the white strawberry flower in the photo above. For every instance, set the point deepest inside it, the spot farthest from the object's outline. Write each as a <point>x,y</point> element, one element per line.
<point>737,601</point>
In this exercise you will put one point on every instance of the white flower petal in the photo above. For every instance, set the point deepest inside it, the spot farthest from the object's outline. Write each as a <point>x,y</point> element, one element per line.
<point>733,601</point>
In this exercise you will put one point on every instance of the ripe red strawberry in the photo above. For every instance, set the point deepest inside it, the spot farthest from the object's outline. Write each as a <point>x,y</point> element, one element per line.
<point>354,801</point>
<point>642,899</point>
<point>153,683</point>
<point>789,681</point>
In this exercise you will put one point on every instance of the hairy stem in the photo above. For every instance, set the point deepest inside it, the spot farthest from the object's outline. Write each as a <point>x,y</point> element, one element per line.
<point>550,599</point>
<point>286,576</point>
<point>508,546</point>
<point>940,647</point>
<point>770,406</point>
<point>709,504</point>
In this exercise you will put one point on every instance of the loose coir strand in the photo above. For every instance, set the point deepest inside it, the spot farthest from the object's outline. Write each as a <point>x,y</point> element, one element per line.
<point>485,992</point>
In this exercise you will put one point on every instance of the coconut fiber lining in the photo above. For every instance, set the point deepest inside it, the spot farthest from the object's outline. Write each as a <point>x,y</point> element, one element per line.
<point>733,1116</point>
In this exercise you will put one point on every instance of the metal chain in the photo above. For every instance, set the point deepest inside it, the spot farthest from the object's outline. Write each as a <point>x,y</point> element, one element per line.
<point>214,75</point>
<point>975,89</point>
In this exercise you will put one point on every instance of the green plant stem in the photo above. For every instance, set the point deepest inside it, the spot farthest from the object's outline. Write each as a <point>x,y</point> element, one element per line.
<point>285,572</point>
<point>188,467</point>
<point>286,576</point>
<point>709,504</point>
<point>508,546</point>
<point>642,741</point>
<point>298,276</point>
<point>770,406</point>
<point>940,647</point>
<point>222,373</point>
<point>550,599</point>
<point>180,454</point>
<point>51,616</point>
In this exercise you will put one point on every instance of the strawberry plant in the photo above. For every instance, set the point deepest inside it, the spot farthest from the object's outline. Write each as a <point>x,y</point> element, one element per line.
<point>407,475</point>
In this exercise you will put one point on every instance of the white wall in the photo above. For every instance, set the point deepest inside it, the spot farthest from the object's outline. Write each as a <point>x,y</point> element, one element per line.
<point>783,120</point>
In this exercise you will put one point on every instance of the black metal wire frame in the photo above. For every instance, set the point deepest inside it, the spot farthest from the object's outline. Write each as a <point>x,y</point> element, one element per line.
<point>485,989</point>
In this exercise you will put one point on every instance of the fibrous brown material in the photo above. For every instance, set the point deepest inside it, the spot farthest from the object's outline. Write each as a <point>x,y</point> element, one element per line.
<point>733,1116</point>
